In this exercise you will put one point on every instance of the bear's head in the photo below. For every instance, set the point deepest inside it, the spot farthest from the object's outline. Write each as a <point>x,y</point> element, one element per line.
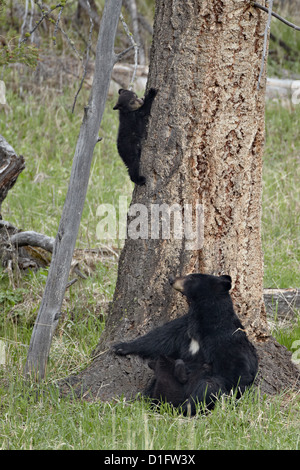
<point>197,286</point>
<point>128,101</point>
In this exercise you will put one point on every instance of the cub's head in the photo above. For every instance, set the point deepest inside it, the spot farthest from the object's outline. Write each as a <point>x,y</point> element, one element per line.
<point>128,101</point>
<point>197,286</point>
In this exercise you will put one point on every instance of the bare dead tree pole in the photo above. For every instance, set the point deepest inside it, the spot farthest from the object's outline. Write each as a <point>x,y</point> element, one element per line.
<point>49,311</point>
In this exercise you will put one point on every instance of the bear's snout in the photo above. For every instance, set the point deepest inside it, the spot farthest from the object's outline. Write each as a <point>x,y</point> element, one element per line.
<point>178,284</point>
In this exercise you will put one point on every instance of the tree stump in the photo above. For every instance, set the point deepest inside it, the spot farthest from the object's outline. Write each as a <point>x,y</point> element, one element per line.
<point>11,165</point>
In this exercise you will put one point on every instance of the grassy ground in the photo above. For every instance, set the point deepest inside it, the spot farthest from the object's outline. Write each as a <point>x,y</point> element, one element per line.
<point>45,132</point>
<point>281,191</point>
<point>38,419</point>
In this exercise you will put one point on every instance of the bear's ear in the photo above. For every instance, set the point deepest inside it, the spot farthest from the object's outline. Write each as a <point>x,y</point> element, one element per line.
<point>226,281</point>
<point>121,91</point>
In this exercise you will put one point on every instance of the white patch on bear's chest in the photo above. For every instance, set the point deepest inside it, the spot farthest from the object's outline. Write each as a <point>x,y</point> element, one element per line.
<point>194,346</point>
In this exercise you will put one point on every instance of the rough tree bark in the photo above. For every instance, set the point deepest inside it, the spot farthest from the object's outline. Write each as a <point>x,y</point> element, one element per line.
<point>205,144</point>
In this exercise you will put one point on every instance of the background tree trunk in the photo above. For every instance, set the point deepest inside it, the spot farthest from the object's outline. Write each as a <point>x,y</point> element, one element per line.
<point>205,143</point>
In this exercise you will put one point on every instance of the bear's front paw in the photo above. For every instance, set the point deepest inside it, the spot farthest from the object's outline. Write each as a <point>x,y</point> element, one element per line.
<point>120,349</point>
<point>153,92</point>
<point>140,181</point>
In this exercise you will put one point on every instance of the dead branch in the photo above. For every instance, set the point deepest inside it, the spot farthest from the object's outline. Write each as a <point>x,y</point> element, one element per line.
<point>132,9</point>
<point>267,29</point>
<point>30,238</point>
<point>270,14</point>
<point>135,47</point>
<point>280,18</point>
<point>87,54</point>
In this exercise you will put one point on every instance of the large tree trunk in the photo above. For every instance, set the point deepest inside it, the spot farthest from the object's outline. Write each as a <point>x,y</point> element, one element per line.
<point>205,145</point>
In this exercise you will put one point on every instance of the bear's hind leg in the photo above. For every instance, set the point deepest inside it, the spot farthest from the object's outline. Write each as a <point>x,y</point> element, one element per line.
<point>134,173</point>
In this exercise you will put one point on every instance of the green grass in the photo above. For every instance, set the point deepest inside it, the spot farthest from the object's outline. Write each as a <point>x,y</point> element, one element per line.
<point>37,418</point>
<point>288,335</point>
<point>46,136</point>
<point>281,195</point>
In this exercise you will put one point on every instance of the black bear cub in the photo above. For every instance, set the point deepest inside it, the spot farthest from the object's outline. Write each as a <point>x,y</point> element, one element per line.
<point>133,116</point>
<point>210,340</point>
<point>177,382</point>
<point>171,375</point>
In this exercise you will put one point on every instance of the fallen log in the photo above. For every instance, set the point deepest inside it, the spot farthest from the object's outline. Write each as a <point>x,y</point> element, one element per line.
<point>283,89</point>
<point>33,239</point>
<point>282,303</point>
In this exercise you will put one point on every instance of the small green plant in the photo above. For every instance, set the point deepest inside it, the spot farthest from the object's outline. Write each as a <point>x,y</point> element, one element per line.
<point>12,52</point>
<point>11,297</point>
<point>287,335</point>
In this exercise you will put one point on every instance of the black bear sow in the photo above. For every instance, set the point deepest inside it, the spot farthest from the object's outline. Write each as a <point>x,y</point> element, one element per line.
<point>210,340</point>
<point>133,116</point>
